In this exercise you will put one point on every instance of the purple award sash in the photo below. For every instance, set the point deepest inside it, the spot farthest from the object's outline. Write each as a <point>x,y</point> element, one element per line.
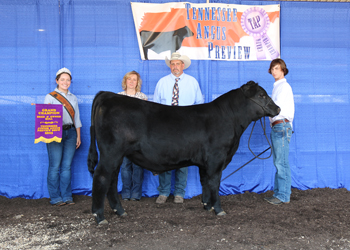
<point>48,123</point>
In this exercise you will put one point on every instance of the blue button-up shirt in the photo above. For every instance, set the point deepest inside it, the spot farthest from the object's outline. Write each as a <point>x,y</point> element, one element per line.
<point>189,90</point>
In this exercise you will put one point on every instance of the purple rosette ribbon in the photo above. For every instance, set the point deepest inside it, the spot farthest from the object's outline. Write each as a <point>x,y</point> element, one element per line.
<point>255,22</point>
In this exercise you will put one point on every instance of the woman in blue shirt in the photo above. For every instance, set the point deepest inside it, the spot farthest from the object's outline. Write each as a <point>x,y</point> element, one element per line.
<point>61,154</point>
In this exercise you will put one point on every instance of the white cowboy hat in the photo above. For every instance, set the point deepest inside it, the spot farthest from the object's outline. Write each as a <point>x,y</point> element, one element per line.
<point>63,70</point>
<point>176,56</point>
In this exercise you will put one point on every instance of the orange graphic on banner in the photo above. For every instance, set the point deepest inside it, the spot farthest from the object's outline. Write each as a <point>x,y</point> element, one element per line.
<point>222,33</point>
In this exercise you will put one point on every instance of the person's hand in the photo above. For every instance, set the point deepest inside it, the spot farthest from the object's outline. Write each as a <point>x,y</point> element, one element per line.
<point>78,142</point>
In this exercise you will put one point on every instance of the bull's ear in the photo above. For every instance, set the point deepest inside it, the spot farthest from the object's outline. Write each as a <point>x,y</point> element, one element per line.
<point>248,88</point>
<point>251,83</point>
<point>248,85</point>
<point>245,87</point>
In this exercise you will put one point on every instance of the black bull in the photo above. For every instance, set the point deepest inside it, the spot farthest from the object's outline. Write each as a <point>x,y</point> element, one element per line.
<point>161,138</point>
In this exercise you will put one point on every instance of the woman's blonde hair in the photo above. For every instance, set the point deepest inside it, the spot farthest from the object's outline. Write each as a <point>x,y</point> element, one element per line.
<point>139,81</point>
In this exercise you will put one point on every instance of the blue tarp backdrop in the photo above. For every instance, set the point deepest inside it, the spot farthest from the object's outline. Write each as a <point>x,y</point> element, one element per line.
<point>96,40</point>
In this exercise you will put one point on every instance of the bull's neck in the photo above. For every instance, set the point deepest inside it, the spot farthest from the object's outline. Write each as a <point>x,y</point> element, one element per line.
<point>239,110</point>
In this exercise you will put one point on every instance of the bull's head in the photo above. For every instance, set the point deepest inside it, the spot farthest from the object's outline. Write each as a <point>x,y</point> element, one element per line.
<point>259,97</point>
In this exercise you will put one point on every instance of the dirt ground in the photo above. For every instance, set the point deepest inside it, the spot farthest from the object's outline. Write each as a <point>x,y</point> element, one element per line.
<point>314,219</point>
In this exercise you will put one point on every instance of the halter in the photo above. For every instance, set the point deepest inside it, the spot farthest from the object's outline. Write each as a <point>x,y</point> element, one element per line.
<point>263,127</point>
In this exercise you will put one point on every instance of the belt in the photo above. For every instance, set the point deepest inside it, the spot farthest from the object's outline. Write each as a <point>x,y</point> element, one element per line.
<point>279,121</point>
<point>69,126</point>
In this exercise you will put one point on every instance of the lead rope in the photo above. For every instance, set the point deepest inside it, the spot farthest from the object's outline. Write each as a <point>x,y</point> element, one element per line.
<point>255,156</point>
<point>264,129</point>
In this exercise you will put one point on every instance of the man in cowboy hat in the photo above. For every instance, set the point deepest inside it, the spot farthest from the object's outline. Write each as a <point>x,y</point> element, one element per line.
<point>176,89</point>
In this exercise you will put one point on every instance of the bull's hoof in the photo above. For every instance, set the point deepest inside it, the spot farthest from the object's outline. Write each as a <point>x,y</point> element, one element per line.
<point>123,214</point>
<point>222,213</point>
<point>209,209</point>
<point>101,222</point>
<point>104,222</point>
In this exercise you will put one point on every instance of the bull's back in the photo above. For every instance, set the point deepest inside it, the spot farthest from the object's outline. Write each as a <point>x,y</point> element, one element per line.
<point>181,124</point>
<point>160,136</point>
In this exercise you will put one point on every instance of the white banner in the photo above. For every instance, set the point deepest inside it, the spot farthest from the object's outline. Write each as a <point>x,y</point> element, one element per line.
<point>210,31</point>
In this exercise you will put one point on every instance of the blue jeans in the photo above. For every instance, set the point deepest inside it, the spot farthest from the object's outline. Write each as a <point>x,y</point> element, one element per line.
<point>180,182</point>
<point>132,178</point>
<point>60,160</point>
<point>280,138</point>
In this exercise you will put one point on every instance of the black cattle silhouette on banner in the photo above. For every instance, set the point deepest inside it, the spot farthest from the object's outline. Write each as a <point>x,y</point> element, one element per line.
<point>163,41</point>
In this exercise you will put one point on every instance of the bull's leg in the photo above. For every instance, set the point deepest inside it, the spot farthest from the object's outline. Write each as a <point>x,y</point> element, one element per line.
<point>113,197</point>
<point>99,189</point>
<point>214,185</point>
<point>101,184</point>
<point>205,190</point>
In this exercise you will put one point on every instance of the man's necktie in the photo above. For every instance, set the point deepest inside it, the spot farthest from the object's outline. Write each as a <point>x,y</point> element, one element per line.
<point>175,99</point>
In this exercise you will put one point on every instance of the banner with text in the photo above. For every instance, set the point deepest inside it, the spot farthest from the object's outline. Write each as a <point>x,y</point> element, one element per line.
<point>209,31</point>
<point>48,123</point>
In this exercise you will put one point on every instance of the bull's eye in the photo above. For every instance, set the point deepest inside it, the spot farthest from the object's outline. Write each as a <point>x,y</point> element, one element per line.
<point>262,96</point>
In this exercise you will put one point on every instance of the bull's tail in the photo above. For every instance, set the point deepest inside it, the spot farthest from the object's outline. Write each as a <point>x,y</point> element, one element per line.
<point>93,155</point>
